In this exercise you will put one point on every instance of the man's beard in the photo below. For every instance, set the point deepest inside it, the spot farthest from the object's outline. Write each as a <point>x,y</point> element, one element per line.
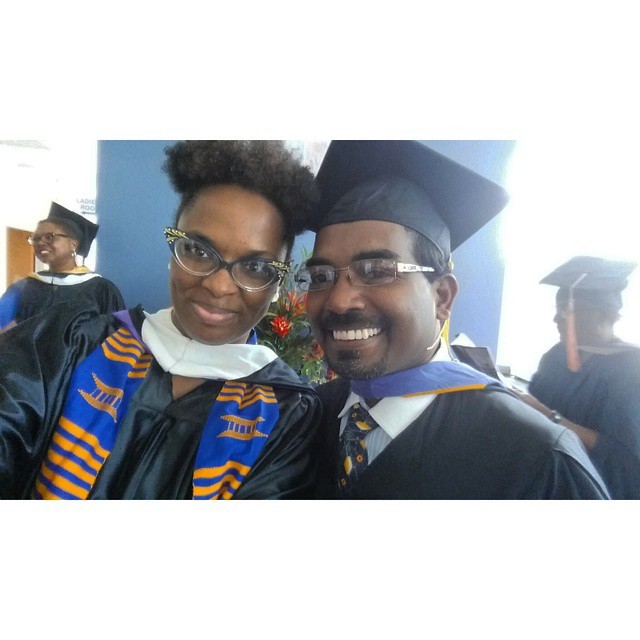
<point>348,365</point>
<point>348,362</point>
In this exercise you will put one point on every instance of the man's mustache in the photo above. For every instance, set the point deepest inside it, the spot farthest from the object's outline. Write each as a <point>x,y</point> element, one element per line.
<point>350,320</point>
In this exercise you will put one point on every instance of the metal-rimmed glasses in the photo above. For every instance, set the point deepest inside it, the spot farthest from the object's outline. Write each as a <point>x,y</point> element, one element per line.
<point>46,237</point>
<point>361,273</point>
<point>199,258</point>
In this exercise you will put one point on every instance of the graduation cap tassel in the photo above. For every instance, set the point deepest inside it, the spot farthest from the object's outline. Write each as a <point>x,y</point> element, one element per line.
<point>573,358</point>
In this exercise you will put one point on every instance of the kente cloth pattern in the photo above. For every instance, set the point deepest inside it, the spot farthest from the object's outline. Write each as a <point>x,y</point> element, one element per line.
<point>430,378</point>
<point>98,397</point>
<point>353,449</point>
<point>237,428</point>
<point>101,387</point>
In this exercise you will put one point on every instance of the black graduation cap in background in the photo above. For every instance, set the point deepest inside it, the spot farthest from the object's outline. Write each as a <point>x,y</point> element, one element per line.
<point>427,192</point>
<point>84,230</point>
<point>596,281</point>
<point>586,281</point>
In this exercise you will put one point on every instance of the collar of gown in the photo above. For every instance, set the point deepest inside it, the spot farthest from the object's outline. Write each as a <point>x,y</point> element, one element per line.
<point>182,356</point>
<point>65,279</point>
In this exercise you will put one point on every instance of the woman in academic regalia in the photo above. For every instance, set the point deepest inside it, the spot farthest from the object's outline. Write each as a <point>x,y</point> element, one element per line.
<point>181,403</point>
<point>57,241</point>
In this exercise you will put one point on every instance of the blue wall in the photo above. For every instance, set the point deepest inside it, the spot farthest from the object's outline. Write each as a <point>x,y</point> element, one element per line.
<point>135,202</point>
<point>478,265</point>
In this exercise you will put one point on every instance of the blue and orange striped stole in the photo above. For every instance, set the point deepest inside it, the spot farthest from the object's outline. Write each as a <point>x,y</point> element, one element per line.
<point>97,400</point>
<point>237,428</point>
<point>101,387</point>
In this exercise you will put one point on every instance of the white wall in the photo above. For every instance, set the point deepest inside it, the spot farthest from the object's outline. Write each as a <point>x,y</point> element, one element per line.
<point>35,172</point>
<point>568,197</point>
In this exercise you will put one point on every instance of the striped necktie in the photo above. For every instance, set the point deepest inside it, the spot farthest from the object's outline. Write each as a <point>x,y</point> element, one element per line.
<point>353,449</point>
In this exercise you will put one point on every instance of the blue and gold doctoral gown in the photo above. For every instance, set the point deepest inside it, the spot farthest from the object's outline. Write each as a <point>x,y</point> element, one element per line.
<point>481,444</point>
<point>154,453</point>
<point>604,395</point>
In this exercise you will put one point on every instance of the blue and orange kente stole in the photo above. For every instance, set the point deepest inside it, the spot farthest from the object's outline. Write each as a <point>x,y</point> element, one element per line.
<point>97,400</point>
<point>235,432</point>
<point>238,425</point>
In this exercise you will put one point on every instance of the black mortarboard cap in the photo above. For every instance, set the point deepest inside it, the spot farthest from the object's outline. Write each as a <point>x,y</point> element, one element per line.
<point>595,281</point>
<point>406,182</point>
<point>84,230</point>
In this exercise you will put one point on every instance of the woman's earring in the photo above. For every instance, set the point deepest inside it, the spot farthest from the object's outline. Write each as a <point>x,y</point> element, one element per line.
<point>73,254</point>
<point>276,295</point>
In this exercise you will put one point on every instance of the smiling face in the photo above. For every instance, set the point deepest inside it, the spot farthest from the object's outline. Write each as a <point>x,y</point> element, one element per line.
<point>370,331</point>
<point>58,253</point>
<point>238,224</point>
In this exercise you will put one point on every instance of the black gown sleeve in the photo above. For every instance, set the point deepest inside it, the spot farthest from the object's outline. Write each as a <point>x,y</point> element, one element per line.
<point>617,452</point>
<point>37,359</point>
<point>108,296</point>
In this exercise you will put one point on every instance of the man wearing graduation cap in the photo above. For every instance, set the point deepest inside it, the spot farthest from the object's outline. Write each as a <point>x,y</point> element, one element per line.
<point>402,420</point>
<point>56,242</point>
<point>590,381</point>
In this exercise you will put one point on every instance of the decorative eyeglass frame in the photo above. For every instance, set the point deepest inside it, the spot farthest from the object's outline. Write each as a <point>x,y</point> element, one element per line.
<point>172,234</point>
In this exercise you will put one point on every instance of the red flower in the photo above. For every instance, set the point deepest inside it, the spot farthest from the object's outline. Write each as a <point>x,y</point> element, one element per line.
<point>316,353</point>
<point>281,326</point>
<point>294,303</point>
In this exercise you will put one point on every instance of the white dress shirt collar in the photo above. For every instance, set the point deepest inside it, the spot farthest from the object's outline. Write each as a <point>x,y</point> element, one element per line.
<point>396,413</point>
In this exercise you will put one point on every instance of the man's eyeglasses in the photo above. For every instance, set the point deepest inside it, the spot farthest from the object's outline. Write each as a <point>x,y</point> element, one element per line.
<point>45,237</point>
<point>361,273</point>
<point>201,259</point>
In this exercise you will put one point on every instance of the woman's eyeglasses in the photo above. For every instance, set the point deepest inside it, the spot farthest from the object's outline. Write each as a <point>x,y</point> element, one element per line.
<point>45,237</point>
<point>361,273</point>
<point>201,259</point>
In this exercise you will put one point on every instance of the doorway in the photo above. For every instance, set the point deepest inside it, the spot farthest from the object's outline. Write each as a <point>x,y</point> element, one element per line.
<point>20,258</point>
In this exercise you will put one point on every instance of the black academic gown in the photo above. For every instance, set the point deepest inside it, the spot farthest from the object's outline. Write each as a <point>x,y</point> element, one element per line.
<point>154,453</point>
<point>478,444</point>
<point>38,296</point>
<point>604,396</point>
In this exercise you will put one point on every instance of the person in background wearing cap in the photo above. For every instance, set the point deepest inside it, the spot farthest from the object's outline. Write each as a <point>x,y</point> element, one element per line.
<point>590,381</point>
<point>57,241</point>
<point>402,420</point>
<point>182,403</point>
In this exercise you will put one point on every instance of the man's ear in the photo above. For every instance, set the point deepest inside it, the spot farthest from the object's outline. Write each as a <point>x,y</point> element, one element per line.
<point>446,290</point>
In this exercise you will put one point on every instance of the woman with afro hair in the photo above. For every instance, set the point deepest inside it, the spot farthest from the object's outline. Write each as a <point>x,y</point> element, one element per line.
<point>182,403</point>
